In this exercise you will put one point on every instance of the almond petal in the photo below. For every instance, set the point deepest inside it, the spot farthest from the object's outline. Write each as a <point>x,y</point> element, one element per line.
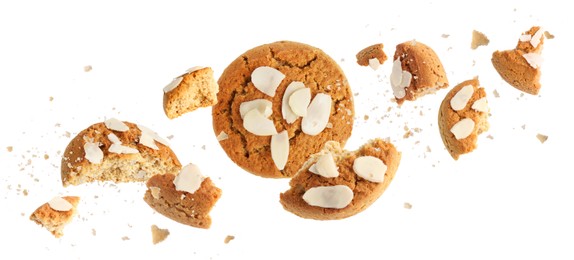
<point>93,153</point>
<point>299,101</point>
<point>318,114</point>
<point>122,149</point>
<point>172,85</point>
<point>463,128</point>
<point>280,149</point>
<point>267,79</point>
<point>115,124</point>
<point>286,111</point>
<point>60,204</point>
<point>114,138</point>
<point>189,179</point>
<point>257,123</point>
<point>459,100</point>
<point>370,168</point>
<point>396,73</point>
<point>335,197</point>
<point>326,166</point>
<point>263,105</point>
<point>153,135</point>
<point>374,63</point>
<point>534,59</point>
<point>480,105</point>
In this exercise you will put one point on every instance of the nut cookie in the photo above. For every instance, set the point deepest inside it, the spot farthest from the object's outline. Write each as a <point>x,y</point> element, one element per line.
<point>372,56</point>
<point>188,207</point>
<point>462,117</point>
<point>194,89</point>
<point>417,71</point>
<point>56,214</point>
<point>336,184</point>
<point>116,151</point>
<point>520,67</point>
<point>278,103</point>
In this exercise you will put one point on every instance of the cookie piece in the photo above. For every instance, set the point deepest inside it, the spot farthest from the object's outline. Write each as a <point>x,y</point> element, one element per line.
<point>463,115</point>
<point>357,193</point>
<point>189,208</point>
<point>417,71</point>
<point>158,234</point>
<point>116,151</point>
<point>478,39</point>
<point>268,76</point>
<point>194,89</point>
<point>56,214</point>
<point>372,56</point>
<point>520,67</point>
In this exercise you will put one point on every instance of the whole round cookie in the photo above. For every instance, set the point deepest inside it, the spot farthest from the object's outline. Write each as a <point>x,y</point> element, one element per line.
<point>277,104</point>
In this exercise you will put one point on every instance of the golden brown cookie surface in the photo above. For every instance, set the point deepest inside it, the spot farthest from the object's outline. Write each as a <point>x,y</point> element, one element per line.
<point>298,63</point>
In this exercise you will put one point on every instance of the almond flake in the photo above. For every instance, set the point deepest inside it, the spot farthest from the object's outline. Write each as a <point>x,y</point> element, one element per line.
<point>147,140</point>
<point>318,114</point>
<point>257,123</point>
<point>280,149</point>
<point>155,192</point>
<point>461,98</point>
<point>370,168</point>
<point>374,63</point>
<point>189,179</point>
<point>60,204</point>
<point>222,136</point>
<point>286,111</point>
<point>399,79</point>
<point>115,124</point>
<point>122,149</point>
<point>534,59</point>
<point>153,135</point>
<point>93,153</point>
<point>463,128</point>
<point>267,79</point>
<point>173,84</point>
<point>525,38</point>
<point>334,197</point>
<point>325,166</point>
<point>299,101</point>
<point>480,105</point>
<point>263,105</point>
<point>194,68</point>
<point>536,38</point>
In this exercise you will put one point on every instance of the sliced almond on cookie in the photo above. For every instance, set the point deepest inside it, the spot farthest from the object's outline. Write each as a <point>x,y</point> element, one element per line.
<point>173,84</point>
<point>334,197</point>
<point>374,63</point>
<point>325,166</point>
<point>267,79</point>
<point>114,138</point>
<point>318,114</point>
<point>116,125</point>
<point>480,105</point>
<point>280,149</point>
<point>534,59</point>
<point>299,101</point>
<point>122,149</point>
<point>370,168</point>
<point>399,79</point>
<point>93,153</point>
<point>189,179</point>
<point>257,123</point>
<point>263,105</point>
<point>459,100</point>
<point>286,111</point>
<point>463,128</point>
<point>153,135</point>
<point>60,204</point>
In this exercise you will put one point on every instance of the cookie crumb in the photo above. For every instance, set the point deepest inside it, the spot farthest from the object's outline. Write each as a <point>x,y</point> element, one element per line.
<point>125,238</point>
<point>93,232</point>
<point>548,35</point>
<point>407,205</point>
<point>542,138</point>
<point>51,98</point>
<point>158,234</point>
<point>87,68</point>
<point>495,93</point>
<point>366,117</point>
<point>490,137</point>
<point>444,35</point>
<point>25,192</point>
<point>9,149</point>
<point>478,39</point>
<point>46,157</point>
<point>228,239</point>
<point>169,137</point>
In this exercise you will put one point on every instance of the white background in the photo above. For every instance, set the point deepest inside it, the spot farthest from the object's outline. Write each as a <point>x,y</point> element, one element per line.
<point>512,198</point>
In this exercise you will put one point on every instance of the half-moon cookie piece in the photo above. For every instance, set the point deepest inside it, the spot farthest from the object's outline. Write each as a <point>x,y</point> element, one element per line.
<point>336,183</point>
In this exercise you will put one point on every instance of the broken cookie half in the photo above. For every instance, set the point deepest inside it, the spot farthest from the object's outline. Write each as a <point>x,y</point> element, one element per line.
<point>194,89</point>
<point>186,198</point>
<point>336,184</point>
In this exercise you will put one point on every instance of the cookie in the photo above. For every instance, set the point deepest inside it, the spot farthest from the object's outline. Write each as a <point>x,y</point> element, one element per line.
<point>56,214</point>
<point>116,151</point>
<point>177,202</point>
<point>278,103</point>
<point>336,184</point>
<point>417,71</point>
<point>520,67</point>
<point>372,56</point>
<point>463,115</point>
<point>194,89</point>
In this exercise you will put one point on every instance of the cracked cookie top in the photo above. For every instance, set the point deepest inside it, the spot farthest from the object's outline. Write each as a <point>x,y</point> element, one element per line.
<point>300,63</point>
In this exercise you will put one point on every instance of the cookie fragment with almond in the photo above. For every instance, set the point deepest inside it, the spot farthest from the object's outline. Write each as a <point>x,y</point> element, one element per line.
<point>194,89</point>
<point>417,71</point>
<point>336,183</point>
<point>520,67</point>
<point>463,115</point>
<point>55,214</point>
<point>372,56</point>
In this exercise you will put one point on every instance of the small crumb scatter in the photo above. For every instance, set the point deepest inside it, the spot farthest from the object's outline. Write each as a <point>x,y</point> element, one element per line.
<point>25,192</point>
<point>444,35</point>
<point>9,149</point>
<point>523,127</point>
<point>542,138</point>
<point>158,234</point>
<point>169,137</point>
<point>548,35</point>
<point>228,239</point>
<point>366,117</point>
<point>495,93</point>
<point>93,232</point>
<point>46,157</point>
<point>51,98</point>
<point>408,205</point>
<point>87,68</point>
<point>125,238</point>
